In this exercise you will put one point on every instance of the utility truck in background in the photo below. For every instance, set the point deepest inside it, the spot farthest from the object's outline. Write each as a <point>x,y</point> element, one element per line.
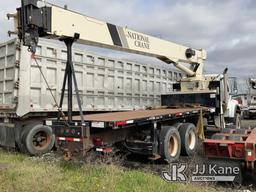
<point>250,111</point>
<point>163,132</point>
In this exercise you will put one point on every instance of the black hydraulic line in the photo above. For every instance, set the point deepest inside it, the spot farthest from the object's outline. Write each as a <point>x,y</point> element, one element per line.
<point>23,20</point>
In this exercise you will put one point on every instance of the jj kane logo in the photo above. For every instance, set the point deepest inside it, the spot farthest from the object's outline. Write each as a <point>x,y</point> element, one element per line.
<point>201,172</point>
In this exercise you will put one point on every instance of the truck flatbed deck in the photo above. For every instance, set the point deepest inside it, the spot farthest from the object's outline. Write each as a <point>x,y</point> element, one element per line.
<point>138,131</point>
<point>119,119</point>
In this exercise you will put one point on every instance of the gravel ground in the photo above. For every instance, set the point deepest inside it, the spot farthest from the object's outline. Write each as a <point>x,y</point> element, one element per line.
<point>249,123</point>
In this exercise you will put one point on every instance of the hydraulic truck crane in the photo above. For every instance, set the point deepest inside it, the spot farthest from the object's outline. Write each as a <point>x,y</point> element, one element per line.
<point>159,132</point>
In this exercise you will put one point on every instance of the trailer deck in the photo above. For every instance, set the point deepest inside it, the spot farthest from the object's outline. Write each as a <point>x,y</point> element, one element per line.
<point>238,144</point>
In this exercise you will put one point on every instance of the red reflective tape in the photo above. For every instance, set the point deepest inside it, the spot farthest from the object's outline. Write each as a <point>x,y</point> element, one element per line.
<point>121,123</point>
<point>250,156</point>
<point>104,150</point>
<point>69,139</point>
<point>178,114</point>
<point>107,150</point>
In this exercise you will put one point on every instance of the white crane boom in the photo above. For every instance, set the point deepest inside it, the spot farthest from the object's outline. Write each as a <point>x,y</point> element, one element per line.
<point>50,21</point>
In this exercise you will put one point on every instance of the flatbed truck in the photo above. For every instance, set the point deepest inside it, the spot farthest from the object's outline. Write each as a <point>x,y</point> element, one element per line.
<point>36,19</point>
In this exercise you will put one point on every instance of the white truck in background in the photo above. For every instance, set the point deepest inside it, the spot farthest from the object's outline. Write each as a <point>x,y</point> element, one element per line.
<point>218,96</point>
<point>250,111</point>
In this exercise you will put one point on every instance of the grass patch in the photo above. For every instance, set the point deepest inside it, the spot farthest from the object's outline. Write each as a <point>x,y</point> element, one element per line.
<point>26,174</point>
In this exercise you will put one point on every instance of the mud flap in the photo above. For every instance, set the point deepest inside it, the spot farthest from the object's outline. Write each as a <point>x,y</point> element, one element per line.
<point>200,126</point>
<point>7,135</point>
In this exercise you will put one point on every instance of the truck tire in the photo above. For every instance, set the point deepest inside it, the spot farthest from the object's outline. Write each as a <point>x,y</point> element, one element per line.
<point>39,139</point>
<point>189,139</point>
<point>177,125</point>
<point>237,120</point>
<point>170,143</point>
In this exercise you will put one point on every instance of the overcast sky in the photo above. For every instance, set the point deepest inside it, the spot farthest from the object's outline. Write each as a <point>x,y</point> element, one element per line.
<point>226,29</point>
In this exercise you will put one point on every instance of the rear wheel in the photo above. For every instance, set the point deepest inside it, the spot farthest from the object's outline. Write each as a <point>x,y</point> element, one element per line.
<point>189,139</point>
<point>170,143</point>
<point>38,139</point>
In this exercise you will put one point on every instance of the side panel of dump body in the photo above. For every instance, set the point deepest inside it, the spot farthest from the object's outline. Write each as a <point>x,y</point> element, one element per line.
<point>105,84</point>
<point>9,80</point>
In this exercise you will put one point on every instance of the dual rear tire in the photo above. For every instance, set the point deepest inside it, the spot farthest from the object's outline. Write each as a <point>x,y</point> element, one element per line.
<point>170,143</point>
<point>189,139</point>
<point>37,139</point>
<point>178,140</point>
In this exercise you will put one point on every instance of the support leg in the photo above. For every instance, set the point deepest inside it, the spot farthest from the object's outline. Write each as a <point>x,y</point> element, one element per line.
<point>71,76</point>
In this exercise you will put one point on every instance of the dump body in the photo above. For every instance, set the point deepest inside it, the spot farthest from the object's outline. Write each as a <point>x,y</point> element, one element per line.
<point>105,84</point>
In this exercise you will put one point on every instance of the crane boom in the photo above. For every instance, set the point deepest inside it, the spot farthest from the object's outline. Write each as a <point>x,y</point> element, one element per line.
<point>51,21</point>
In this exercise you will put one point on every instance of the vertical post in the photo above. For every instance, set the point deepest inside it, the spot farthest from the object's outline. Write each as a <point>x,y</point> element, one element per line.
<point>69,43</point>
<point>154,137</point>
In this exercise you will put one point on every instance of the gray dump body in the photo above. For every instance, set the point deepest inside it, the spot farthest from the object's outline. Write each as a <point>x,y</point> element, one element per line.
<point>105,84</point>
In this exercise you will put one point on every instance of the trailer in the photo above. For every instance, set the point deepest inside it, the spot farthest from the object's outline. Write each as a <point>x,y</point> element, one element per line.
<point>233,144</point>
<point>163,133</point>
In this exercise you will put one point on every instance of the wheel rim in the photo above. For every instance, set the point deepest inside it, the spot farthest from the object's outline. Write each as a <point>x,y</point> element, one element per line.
<point>191,140</point>
<point>41,140</point>
<point>173,146</point>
